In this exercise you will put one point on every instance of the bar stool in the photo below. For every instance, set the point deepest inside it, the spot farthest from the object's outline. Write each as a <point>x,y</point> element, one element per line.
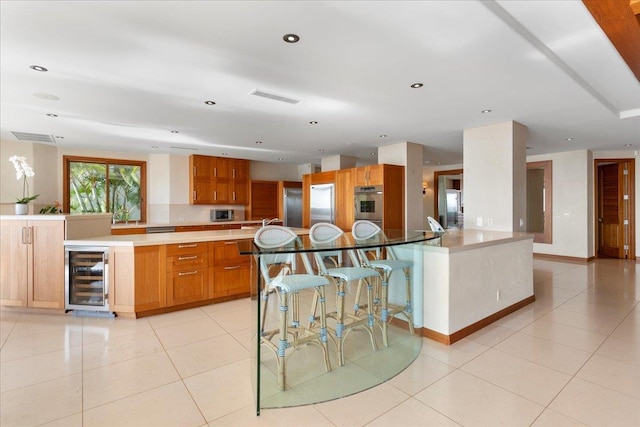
<point>323,235</point>
<point>287,284</point>
<point>363,230</point>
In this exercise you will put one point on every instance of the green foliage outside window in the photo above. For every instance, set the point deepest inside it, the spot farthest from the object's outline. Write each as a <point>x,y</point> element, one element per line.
<point>101,187</point>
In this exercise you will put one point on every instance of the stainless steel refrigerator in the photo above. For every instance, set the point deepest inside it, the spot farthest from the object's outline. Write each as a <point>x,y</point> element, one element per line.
<point>292,207</point>
<point>323,203</point>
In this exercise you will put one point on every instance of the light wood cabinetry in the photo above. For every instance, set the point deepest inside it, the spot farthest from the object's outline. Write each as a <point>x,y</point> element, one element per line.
<point>32,273</point>
<point>344,198</point>
<point>208,227</point>
<point>391,177</point>
<point>124,231</point>
<point>187,269</point>
<point>218,180</point>
<point>370,175</point>
<point>264,200</point>
<point>231,271</point>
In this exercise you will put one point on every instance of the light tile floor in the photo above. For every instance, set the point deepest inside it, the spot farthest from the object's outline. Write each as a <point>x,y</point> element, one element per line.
<point>571,358</point>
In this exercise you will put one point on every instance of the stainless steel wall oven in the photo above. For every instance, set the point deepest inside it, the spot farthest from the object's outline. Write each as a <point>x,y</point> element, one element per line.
<point>368,203</point>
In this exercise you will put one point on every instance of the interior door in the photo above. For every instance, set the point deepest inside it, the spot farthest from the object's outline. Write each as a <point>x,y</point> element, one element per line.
<point>611,210</point>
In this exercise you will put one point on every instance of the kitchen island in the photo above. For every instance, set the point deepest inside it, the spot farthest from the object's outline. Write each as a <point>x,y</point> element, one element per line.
<point>473,278</point>
<point>156,273</point>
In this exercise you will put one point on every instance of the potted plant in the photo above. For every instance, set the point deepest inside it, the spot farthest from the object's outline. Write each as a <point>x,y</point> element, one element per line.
<point>23,171</point>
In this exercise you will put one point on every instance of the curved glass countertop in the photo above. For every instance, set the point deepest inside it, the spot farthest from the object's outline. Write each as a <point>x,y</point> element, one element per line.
<point>307,380</point>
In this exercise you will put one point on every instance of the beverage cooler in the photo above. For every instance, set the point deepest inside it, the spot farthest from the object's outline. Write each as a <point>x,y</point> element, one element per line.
<point>86,278</point>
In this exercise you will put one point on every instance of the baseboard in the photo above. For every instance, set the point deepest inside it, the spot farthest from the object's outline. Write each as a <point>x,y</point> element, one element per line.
<point>464,332</point>
<point>564,258</point>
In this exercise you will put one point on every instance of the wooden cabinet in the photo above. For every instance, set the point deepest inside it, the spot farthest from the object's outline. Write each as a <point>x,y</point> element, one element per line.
<point>390,177</point>
<point>231,271</point>
<point>128,230</point>
<point>218,180</point>
<point>264,200</point>
<point>208,227</point>
<point>344,198</point>
<point>32,254</point>
<point>187,268</point>
<point>370,175</point>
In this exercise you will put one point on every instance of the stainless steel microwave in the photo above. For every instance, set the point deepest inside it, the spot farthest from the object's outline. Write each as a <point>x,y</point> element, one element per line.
<point>222,215</point>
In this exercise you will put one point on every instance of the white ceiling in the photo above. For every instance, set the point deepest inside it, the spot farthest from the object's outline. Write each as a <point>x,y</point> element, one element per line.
<point>127,73</point>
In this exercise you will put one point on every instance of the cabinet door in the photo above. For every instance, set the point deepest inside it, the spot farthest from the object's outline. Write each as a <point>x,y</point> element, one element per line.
<point>239,169</point>
<point>240,192</point>
<point>231,271</point>
<point>201,166</point>
<point>149,278</point>
<point>13,252</point>
<point>221,168</point>
<point>375,175</point>
<point>344,199</point>
<point>46,262</point>
<point>221,191</point>
<point>203,192</point>
<point>361,176</point>
<point>187,286</point>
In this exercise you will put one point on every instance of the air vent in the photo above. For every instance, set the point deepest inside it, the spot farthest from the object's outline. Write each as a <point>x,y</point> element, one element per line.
<point>184,148</point>
<point>34,137</point>
<point>274,96</point>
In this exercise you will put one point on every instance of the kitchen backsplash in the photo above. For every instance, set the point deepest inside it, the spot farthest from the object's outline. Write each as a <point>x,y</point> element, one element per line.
<point>175,213</point>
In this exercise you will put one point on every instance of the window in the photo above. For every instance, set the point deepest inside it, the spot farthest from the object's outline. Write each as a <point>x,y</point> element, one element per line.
<point>105,185</point>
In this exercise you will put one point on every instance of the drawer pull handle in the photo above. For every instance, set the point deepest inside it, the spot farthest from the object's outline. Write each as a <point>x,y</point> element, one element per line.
<point>232,268</point>
<point>182,258</point>
<point>229,243</point>
<point>187,273</point>
<point>193,245</point>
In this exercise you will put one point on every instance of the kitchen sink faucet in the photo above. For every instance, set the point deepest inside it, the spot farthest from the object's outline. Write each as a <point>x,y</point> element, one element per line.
<point>266,221</point>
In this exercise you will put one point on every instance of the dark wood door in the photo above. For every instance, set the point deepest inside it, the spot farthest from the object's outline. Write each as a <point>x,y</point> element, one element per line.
<point>610,210</point>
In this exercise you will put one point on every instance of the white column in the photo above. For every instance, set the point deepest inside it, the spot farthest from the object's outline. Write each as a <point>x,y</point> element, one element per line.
<point>495,167</point>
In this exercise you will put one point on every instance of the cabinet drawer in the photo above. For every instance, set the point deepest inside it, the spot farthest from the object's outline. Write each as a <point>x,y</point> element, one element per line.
<point>187,286</point>
<point>186,249</point>
<point>227,252</point>
<point>187,261</point>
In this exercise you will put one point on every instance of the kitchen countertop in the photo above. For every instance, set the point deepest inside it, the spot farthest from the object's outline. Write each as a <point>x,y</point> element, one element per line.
<point>455,240</point>
<point>170,238</point>
<point>134,224</point>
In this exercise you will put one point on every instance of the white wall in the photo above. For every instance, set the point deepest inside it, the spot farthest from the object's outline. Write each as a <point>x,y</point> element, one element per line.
<point>167,179</point>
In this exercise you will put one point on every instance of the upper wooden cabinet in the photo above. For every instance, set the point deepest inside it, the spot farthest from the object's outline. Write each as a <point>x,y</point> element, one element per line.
<point>370,175</point>
<point>218,180</point>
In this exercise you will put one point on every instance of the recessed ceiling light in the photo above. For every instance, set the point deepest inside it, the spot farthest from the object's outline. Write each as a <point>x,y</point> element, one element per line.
<point>174,131</point>
<point>291,38</point>
<point>225,154</point>
<point>210,102</point>
<point>38,68</point>
<point>280,158</point>
<point>320,149</point>
<point>373,154</point>
<point>417,85</point>
<point>426,162</point>
<point>313,122</point>
<point>59,137</point>
<point>258,142</point>
<point>568,139</point>
<point>52,115</point>
<point>383,136</point>
<point>154,146</point>
<point>485,111</point>
<point>628,145</point>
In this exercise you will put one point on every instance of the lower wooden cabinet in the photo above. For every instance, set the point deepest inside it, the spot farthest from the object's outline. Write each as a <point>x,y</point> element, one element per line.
<point>231,271</point>
<point>153,278</point>
<point>187,269</point>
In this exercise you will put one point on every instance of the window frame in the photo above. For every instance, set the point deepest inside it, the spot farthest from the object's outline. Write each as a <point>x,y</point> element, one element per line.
<point>66,191</point>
